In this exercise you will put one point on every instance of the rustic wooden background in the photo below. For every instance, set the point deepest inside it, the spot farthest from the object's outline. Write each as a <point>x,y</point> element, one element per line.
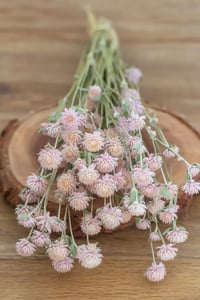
<point>40,45</point>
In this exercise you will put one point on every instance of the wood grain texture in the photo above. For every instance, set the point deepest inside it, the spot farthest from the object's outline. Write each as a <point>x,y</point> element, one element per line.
<point>40,45</point>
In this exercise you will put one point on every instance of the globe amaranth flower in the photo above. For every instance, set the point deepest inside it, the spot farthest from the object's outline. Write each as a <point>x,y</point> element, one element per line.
<point>66,183</point>
<point>153,162</point>
<point>93,142</point>
<point>89,256</point>
<point>167,252</point>
<point>71,119</point>
<point>58,250</point>
<point>70,136</point>
<point>50,158</point>
<point>177,235</point>
<point>105,163</point>
<point>70,153</point>
<point>114,147</point>
<point>111,217</point>
<point>156,272</point>
<point>36,183</point>
<point>135,208</point>
<point>25,247</point>
<point>143,177</point>
<point>191,187</point>
<point>168,215</point>
<point>90,225</point>
<point>105,186</point>
<point>88,175</point>
<point>40,239</point>
<point>143,224</point>
<point>134,75</point>
<point>64,265</point>
<point>79,200</point>
<point>51,129</point>
<point>94,92</point>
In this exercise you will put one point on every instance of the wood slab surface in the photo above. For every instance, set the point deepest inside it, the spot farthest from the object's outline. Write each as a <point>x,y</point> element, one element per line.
<point>40,46</point>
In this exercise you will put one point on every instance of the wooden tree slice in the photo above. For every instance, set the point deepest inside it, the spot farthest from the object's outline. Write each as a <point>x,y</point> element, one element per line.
<point>20,142</point>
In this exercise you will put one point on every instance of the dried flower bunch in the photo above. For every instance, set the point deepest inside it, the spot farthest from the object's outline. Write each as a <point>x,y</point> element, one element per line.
<point>96,151</point>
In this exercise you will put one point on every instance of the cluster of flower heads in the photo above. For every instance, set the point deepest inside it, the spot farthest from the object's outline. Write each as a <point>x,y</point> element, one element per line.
<point>88,162</point>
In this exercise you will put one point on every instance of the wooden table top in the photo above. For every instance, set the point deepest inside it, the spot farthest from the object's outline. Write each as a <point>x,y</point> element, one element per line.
<point>40,45</point>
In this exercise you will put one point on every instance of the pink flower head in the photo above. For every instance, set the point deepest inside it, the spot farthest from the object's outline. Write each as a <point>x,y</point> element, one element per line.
<point>66,183</point>
<point>168,215</point>
<point>173,189</point>
<point>167,252</point>
<point>177,235</point>
<point>89,255</point>
<point>40,239</point>
<point>135,208</point>
<point>26,220</point>
<point>136,107</point>
<point>105,186</point>
<point>50,158</point>
<point>131,94</point>
<point>126,216</point>
<point>119,180</point>
<point>71,119</point>
<point>79,164</point>
<point>111,217</point>
<point>155,206</point>
<point>88,175</point>
<point>170,153</point>
<point>128,179</point>
<point>137,122</point>
<point>36,183</point>
<point>150,190</point>
<point>134,75</point>
<point>143,177</point>
<point>64,265</point>
<point>143,224</point>
<point>105,163</point>
<point>23,210</point>
<point>153,162</point>
<point>155,236</point>
<point>156,272</point>
<point>193,170</point>
<point>70,136</point>
<point>93,142</point>
<point>57,225</point>
<point>29,196</point>
<point>191,187</point>
<point>114,147</point>
<point>51,129</point>
<point>79,200</point>
<point>90,225</point>
<point>94,92</point>
<point>44,222</point>
<point>25,248</point>
<point>70,153</point>
<point>58,250</point>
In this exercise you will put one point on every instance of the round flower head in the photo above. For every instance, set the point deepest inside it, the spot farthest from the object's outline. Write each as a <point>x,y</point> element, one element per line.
<point>93,142</point>
<point>58,225</point>
<point>22,209</point>
<point>114,147</point>
<point>132,94</point>
<point>71,119</point>
<point>155,206</point>
<point>167,252</point>
<point>94,92</point>
<point>26,220</point>
<point>71,136</point>
<point>150,190</point>
<point>177,235</point>
<point>133,75</point>
<point>36,183</point>
<point>79,164</point>
<point>66,183</point>
<point>170,153</point>
<point>25,248</point>
<point>89,255</point>
<point>64,265</point>
<point>111,217</point>
<point>143,224</point>
<point>88,175</point>
<point>70,153</point>
<point>193,170</point>
<point>79,200</point>
<point>156,272</point>
<point>90,225</point>
<point>191,187</point>
<point>126,216</point>
<point>51,129</point>
<point>155,236</point>
<point>58,250</point>
<point>173,189</point>
<point>119,180</point>
<point>135,208</point>
<point>136,107</point>
<point>137,122</point>
<point>29,196</point>
<point>40,239</point>
<point>105,163</point>
<point>44,222</point>
<point>105,186</point>
<point>50,158</point>
<point>128,179</point>
<point>142,177</point>
<point>153,162</point>
<point>168,215</point>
